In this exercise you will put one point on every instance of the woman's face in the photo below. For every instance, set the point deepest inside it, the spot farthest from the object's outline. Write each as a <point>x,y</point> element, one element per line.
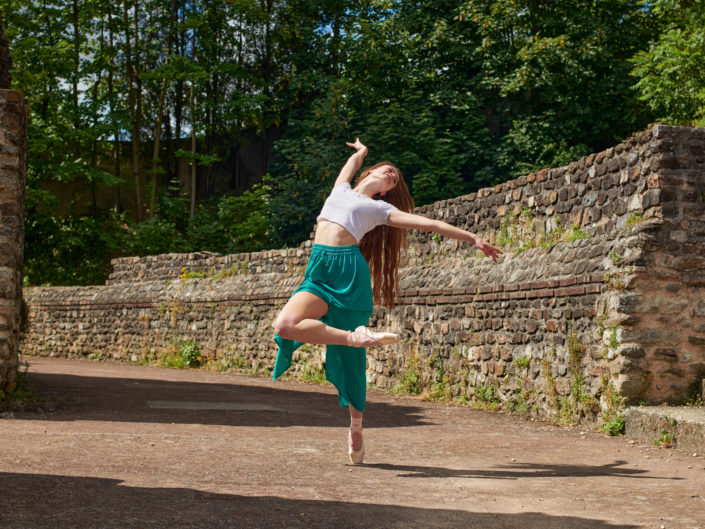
<point>388,177</point>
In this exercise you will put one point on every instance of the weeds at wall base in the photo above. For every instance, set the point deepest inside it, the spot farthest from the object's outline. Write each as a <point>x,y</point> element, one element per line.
<point>410,383</point>
<point>612,417</point>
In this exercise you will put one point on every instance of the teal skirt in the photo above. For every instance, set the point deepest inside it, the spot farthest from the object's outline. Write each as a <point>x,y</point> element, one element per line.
<point>340,276</point>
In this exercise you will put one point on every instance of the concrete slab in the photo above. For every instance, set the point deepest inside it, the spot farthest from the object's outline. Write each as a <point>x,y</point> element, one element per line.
<point>682,428</point>
<point>197,405</point>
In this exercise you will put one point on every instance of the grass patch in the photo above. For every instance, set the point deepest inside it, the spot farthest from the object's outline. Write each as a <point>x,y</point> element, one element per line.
<point>186,354</point>
<point>187,274</point>
<point>234,270</point>
<point>553,237</point>
<point>312,374</point>
<point>576,234</point>
<point>632,219</point>
<point>410,382</point>
<point>486,398</point>
<point>521,362</point>
<point>612,415</point>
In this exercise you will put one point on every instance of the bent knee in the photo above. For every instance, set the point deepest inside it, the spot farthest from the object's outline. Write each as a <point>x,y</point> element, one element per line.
<point>283,326</point>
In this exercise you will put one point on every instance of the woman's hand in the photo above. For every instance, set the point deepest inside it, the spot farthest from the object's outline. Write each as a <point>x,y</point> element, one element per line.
<point>353,164</point>
<point>487,248</point>
<point>358,146</point>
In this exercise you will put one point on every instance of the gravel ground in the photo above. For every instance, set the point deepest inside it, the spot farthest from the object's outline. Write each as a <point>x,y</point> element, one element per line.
<point>130,446</point>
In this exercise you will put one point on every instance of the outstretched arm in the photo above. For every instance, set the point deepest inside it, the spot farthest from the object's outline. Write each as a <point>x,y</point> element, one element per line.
<point>409,221</point>
<point>353,164</point>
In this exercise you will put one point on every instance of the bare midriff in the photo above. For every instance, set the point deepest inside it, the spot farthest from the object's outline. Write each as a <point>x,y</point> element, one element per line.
<point>332,234</point>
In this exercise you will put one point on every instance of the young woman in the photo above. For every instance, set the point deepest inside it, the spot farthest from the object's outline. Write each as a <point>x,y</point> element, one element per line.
<point>360,231</point>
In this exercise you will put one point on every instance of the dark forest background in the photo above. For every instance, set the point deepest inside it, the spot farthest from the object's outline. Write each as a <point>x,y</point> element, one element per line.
<point>219,125</point>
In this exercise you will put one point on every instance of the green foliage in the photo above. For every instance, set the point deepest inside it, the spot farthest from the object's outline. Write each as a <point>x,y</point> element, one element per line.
<point>632,219</point>
<point>188,274</point>
<point>612,417</point>
<point>576,234</point>
<point>459,94</point>
<point>68,250</point>
<point>670,75</point>
<point>411,380</point>
<point>244,219</point>
<point>551,390</point>
<point>578,403</point>
<point>439,390</point>
<point>667,439</point>
<point>520,404</point>
<point>504,238</point>
<point>613,341</point>
<point>312,374</point>
<point>614,426</point>
<point>543,65</point>
<point>231,224</point>
<point>185,353</point>
<point>517,230</point>
<point>521,362</point>
<point>190,353</point>
<point>554,236</point>
<point>76,250</point>
<point>155,236</point>
<point>486,398</point>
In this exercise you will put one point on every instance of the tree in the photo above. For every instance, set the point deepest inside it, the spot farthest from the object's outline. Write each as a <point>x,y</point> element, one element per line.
<point>670,73</point>
<point>556,76</point>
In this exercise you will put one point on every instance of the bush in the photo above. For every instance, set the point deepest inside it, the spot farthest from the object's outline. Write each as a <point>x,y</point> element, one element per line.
<point>71,250</point>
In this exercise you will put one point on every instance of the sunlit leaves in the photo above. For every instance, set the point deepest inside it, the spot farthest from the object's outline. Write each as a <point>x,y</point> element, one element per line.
<point>670,73</point>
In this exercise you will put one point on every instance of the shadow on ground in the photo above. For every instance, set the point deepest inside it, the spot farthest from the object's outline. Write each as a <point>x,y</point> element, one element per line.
<point>521,471</point>
<point>41,501</point>
<point>73,397</point>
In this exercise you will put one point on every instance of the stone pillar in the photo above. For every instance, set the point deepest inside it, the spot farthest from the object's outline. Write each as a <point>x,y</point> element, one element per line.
<point>13,141</point>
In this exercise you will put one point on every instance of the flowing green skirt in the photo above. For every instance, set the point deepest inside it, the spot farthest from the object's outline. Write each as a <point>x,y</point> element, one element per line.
<point>340,276</point>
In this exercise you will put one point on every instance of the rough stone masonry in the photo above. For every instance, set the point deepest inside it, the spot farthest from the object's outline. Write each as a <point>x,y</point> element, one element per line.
<point>13,136</point>
<point>599,295</point>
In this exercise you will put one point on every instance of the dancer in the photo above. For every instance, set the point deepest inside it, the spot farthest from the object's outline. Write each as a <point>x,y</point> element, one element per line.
<point>360,233</point>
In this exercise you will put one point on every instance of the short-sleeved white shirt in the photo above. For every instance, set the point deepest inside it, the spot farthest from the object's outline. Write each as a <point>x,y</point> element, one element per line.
<point>354,211</point>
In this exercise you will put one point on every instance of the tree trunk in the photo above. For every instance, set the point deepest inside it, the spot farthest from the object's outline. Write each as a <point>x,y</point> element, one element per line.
<point>155,151</point>
<point>134,109</point>
<point>117,204</point>
<point>77,61</point>
<point>193,158</point>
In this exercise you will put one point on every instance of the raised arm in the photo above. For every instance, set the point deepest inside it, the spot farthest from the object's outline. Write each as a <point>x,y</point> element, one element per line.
<point>353,164</point>
<point>409,221</point>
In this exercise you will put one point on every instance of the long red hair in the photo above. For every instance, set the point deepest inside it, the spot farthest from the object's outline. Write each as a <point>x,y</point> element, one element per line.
<point>382,245</point>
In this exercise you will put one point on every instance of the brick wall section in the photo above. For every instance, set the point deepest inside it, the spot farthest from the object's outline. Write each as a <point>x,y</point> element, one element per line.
<point>13,131</point>
<point>600,287</point>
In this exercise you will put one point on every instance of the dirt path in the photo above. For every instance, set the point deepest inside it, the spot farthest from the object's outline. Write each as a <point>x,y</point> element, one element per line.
<point>144,447</point>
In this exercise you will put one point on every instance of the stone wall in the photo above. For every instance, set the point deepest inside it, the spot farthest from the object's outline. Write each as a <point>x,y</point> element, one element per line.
<point>599,294</point>
<point>13,135</point>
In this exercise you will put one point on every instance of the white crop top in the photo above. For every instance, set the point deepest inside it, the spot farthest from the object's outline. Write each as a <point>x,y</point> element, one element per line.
<point>355,212</point>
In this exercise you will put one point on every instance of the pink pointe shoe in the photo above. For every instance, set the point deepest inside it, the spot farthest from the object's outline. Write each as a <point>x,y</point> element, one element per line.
<point>356,456</point>
<point>364,337</point>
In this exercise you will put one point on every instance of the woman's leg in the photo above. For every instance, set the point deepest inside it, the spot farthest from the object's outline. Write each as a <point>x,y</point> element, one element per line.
<point>299,320</point>
<point>356,449</point>
<point>355,428</point>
